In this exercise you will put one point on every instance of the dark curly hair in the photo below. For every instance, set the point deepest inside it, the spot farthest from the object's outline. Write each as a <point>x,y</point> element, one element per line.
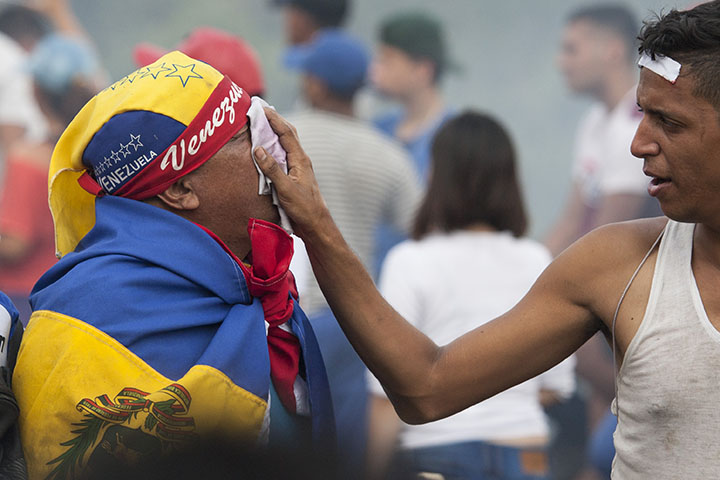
<point>691,37</point>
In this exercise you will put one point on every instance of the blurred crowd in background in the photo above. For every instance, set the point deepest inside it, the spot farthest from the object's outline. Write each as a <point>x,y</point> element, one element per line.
<point>428,190</point>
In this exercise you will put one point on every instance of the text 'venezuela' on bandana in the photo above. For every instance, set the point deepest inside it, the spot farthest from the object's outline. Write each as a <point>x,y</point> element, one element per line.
<point>136,170</point>
<point>175,87</point>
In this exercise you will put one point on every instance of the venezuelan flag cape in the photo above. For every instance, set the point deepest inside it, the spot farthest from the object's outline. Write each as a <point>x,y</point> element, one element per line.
<point>143,337</point>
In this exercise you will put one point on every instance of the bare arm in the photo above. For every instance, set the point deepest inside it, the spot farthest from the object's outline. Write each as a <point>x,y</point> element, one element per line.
<point>593,364</point>
<point>424,381</point>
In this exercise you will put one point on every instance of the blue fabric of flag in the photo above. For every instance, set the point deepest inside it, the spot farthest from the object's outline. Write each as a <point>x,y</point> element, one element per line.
<point>167,291</point>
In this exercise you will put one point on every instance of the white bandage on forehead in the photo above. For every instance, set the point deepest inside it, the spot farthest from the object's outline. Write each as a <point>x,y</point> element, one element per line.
<point>666,67</point>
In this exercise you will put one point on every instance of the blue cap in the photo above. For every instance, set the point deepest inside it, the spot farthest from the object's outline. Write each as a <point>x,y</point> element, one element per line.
<point>333,56</point>
<point>59,59</point>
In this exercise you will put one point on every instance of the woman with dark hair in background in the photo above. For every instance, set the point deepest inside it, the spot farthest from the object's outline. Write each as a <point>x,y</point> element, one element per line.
<point>467,263</point>
<point>61,69</point>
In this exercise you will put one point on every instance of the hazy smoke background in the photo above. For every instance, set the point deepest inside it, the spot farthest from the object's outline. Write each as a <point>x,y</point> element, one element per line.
<point>505,49</point>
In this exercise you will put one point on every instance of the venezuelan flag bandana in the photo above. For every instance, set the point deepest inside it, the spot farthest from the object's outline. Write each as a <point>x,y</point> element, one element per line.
<point>138,136</point>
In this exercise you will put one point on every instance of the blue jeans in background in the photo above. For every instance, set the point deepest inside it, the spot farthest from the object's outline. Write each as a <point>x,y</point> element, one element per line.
<point>473,460</point>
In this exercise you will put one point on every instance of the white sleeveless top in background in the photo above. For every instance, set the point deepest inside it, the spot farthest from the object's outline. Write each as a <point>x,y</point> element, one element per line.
<point>668,399</point>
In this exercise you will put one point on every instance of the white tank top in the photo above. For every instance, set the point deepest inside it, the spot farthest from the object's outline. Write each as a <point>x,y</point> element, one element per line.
<point>668,388</point>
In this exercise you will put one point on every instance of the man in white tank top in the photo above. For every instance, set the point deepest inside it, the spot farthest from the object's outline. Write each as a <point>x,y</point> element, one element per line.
<point>663,309</point>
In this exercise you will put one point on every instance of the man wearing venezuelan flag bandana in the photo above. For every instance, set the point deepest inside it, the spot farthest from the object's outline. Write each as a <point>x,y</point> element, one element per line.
<point>165,320</point>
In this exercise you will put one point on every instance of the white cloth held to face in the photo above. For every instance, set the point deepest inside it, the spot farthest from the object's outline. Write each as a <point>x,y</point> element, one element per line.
<point>262,135</point>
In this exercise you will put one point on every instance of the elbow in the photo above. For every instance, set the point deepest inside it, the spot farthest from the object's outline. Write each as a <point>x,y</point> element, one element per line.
<point>414,417</point>
<point>424,400</point>
<point>419,410</point>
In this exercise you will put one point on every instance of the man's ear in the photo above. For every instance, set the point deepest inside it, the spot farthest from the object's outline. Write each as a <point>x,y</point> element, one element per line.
<point>181,195</point>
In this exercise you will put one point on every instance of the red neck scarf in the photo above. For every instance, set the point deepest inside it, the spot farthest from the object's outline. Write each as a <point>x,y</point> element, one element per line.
<point>270,280</point>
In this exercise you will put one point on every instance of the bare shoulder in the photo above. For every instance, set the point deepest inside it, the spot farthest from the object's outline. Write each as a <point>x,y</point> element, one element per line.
<point>593,271</point>
<point>616,243</point>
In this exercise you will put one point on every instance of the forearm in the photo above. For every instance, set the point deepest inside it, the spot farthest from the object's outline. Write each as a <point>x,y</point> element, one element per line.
<point>426,382</point>
<point>399,355</point>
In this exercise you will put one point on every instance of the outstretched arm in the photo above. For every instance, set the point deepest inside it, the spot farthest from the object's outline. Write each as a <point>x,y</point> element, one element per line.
<point>425,381</point>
